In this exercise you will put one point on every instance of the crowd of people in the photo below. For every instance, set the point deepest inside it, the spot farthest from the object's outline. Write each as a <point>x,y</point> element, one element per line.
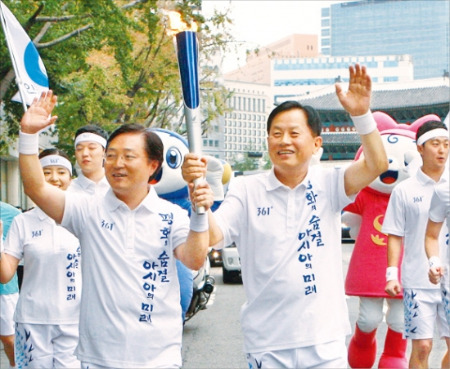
<point>101,288</point>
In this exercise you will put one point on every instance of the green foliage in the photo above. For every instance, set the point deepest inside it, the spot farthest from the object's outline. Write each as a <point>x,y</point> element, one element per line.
<point>112,62</point>
<point>245,164</point>
<point>266,160</point>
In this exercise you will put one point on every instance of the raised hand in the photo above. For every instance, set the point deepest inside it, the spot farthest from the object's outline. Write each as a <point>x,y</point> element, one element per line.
<point>356,101</point>
<point>38,116</point>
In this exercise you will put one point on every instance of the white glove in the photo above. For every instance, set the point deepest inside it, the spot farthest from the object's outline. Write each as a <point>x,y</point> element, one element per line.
<point>353,221</point>
<point>214,174</point>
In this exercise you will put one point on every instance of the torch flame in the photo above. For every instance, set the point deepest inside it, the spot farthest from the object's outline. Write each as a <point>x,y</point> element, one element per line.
<point>176,25</point>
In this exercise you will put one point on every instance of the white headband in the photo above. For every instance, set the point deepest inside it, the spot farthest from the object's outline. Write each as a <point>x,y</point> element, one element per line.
<point>92,137</point>
<point>56,160</point>
<point>437,132</point>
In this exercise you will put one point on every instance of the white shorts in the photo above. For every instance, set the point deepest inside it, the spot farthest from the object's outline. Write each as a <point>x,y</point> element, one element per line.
<point>423,310</point>
<point>7,308</point>
<point>445,291</point>
<point>53,346</point>
<point>326,355</point>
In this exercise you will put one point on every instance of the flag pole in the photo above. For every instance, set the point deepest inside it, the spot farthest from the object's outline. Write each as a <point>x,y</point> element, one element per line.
<point>13,59</point>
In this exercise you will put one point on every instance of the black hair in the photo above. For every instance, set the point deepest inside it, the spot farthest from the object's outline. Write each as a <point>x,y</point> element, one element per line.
<point>428,126</point>
<point>153,144</point>
<point>53,151</point>
<point>92,128</point>
<point>313,118</point>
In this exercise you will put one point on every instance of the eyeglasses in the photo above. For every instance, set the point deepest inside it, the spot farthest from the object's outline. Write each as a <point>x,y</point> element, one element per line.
<point>113,157</point>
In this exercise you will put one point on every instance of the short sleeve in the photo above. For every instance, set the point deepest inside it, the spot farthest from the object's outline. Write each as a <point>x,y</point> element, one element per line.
<point>394,219</point>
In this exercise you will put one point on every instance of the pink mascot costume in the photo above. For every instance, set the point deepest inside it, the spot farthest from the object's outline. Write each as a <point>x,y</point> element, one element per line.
<point>366,277</point>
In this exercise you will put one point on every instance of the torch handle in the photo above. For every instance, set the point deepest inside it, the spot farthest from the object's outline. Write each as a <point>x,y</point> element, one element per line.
<point>187,53</point>
<point>200,210</point>
<point>194,133</point>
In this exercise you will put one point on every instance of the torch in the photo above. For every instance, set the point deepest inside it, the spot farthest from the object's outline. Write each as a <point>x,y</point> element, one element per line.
<point>187,53</point>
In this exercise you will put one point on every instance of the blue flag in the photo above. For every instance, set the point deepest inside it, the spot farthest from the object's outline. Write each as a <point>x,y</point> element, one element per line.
<point>31,75</point>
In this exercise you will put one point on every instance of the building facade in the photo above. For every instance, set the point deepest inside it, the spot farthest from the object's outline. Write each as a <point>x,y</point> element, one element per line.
<point>419,28</point>
<point>244,128</point>
<point>296,77</point>
<point>11,188</point>
<point>257,68</point>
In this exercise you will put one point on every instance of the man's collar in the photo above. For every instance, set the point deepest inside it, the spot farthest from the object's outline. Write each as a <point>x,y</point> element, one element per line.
<point>84,181</point>
<point>273,182</point>
<point>424,179</point>
<point>41,215</point>
<point>150,202</point>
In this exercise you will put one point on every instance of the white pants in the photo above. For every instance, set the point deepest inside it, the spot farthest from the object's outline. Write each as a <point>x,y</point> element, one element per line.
<point>371,314</point>
<point>52,346</point>
<point>326,355</point>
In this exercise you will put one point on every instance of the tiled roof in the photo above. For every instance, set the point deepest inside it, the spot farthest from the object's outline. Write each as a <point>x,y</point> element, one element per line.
<point>330,138</point>
<point>388,99</point>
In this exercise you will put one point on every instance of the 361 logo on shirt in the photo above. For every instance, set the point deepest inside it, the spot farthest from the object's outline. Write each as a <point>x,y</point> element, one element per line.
<point>262,211</point>
<point>107,225</point>
<point>37,233</point>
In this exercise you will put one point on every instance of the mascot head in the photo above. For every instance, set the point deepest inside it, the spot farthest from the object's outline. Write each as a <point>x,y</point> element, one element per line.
<point>399,141</point>
<point>170,183</point>
<point>170,180</point>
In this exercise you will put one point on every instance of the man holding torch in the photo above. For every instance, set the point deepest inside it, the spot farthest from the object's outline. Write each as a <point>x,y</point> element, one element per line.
<point>286,225</point>
<point>130,307</point>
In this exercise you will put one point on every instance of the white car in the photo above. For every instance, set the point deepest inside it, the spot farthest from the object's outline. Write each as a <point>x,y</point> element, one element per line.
<point>231,264</point>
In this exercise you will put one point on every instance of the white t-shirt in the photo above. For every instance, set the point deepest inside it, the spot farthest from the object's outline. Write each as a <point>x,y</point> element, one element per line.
<point>439,212</point>
<point>289,243</point>
<point>51,286</point>
<point>407,216</point>
<point>130,308</point>
<point>82,184</point>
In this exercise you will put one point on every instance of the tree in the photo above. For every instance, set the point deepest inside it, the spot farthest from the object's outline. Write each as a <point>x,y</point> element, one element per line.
<point>250,161</point>
<point>112,62</point>
<point>245,164</point>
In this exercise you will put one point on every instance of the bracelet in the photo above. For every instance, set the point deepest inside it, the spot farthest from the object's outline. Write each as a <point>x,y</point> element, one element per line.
<point>199,222</point>
<point>28,143</point>
<point>364,124</point>
<point>434,262</point>
<point>391,274</point>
